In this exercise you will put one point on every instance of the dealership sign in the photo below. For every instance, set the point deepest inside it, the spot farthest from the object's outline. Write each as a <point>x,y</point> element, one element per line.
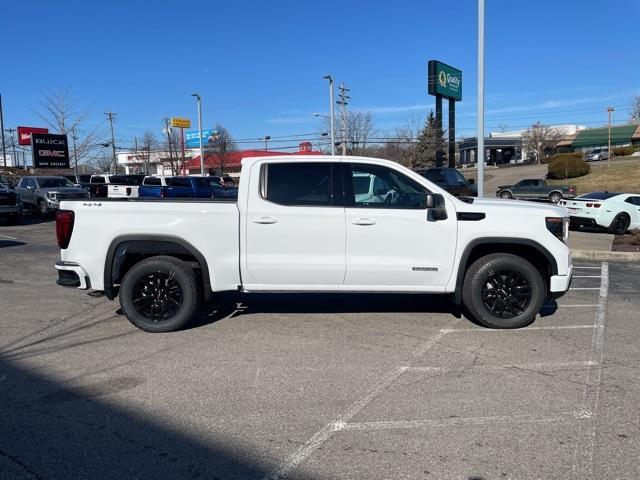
<point>180,122</point>
<point>444,80</point>
<point>192,137</point>
<point>50,151</point>
<point>24,134</point>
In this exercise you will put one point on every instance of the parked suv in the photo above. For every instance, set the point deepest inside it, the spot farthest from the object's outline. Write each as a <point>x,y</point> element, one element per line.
<point>451,180</point>
<point>44,194</point>
<point>10,203</point>
<point>97,190</point>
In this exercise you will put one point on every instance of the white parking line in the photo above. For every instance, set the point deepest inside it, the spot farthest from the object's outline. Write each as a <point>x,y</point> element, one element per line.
<point>587,268</point>
<point>584,288</point>
<point>324,434</point>
<point>525,329</point>
<point>7,236</point>
<point>447,422</point>
<point>571,306</point>
<point>583,456</point>
<point>515,366</point>
<point>587,276</point>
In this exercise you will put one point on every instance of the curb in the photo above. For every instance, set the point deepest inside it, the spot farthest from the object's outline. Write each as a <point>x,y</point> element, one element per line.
<point>602,256</point>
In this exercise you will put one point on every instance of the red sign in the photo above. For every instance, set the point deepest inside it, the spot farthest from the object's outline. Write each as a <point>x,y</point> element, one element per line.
<point>24,134</point>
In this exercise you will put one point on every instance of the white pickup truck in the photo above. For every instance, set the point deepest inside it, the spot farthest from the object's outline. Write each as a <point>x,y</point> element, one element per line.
<point>317,224</point>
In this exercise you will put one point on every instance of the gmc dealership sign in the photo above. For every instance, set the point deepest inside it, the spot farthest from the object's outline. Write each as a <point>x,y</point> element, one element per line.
<point>24,134</point>
<point>50,151</point>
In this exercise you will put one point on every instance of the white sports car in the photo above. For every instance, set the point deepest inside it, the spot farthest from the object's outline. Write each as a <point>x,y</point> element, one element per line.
<point>617,212</point>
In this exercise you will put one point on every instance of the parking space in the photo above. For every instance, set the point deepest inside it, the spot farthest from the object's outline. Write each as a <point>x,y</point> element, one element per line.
<point>314,386</point>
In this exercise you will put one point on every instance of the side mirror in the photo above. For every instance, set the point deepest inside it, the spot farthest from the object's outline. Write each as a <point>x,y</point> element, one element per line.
<point>436,205</point>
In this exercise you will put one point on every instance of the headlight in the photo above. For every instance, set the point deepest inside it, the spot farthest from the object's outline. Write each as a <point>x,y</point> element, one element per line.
<point>51,195</point>
<point>559,227</point>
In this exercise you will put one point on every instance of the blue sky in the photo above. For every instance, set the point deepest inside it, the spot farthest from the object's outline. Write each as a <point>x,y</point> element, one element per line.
<point>259,65</point>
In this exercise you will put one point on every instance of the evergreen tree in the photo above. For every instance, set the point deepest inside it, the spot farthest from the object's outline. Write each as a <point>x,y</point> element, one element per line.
<point>430,140</point>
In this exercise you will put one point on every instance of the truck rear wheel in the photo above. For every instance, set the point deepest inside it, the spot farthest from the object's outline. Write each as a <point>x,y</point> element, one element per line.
<point>159,294</point>
<point>555,197</point>
<point>503,291</point>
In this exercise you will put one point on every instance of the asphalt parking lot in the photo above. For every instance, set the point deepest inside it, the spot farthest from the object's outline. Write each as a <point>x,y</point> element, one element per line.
<point>314,386</point>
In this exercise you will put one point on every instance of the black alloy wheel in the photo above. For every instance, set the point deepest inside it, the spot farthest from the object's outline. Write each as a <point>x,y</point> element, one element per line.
<point>157,296</point>
<point>506,294</point>
<point>620,224</point>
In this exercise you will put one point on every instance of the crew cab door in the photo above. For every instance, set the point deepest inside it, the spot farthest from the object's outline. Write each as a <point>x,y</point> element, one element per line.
<point>393,242</point>
<point>294,227</point>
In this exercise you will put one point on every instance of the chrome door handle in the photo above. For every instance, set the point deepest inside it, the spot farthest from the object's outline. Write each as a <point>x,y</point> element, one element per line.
<point>364,221</point>
<point>264,220</point>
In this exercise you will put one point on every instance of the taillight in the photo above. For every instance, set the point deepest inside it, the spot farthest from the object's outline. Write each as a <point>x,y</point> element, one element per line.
<point>596,205</point>
<point>562,202</point>
<point>163,192</point>
<point>572,189</point>
<point>128,191</point>
<point>64,227</point>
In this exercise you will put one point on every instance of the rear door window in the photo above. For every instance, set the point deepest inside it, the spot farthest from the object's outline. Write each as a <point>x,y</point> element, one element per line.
<point>298,184</point>
<point>152,181</point>
<point>179,182</point>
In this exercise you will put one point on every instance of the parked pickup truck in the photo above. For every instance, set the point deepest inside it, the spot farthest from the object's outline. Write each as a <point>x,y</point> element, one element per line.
<point>297,226</point>
<point>184,187</point>
<point>119,186</point>
<point>536,189</point>
<point>96,190</point>
<point>43,194</point>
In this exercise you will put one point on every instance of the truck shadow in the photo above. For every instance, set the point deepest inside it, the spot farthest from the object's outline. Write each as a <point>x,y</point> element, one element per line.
<point>56,431</point>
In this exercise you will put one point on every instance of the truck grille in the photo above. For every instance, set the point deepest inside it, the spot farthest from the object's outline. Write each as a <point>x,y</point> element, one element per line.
<point>7,198</point>
<point>67,196</point>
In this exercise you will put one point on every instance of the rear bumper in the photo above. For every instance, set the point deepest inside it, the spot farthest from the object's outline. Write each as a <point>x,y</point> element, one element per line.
<point>70,274</point>
<point>9,209</point>
<point>582,222</point>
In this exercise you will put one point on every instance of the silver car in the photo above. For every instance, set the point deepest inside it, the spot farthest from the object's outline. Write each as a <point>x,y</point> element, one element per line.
<point>44,194</point>
<point>597,154</point>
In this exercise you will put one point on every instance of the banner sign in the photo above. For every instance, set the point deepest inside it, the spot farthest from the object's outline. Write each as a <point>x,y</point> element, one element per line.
<point>444,80</point>
<point>180,122</point>
<point>192,139</point>
<point>24,134</point>
<point>50,151</point>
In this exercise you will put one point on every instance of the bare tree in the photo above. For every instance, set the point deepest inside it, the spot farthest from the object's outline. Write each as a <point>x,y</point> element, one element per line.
<point>61,113</point>
<point>222,143</point>
<point>104,163</point>
<point>148,145</point>
<point>360,129</point>
<point>429,141</point>
<point>540,139</point>
<point>635,109</point>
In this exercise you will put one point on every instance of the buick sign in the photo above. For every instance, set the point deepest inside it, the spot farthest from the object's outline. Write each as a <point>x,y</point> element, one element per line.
<point>49,150</point>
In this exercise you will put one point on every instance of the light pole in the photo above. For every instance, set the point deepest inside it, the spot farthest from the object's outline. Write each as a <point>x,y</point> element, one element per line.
<point>609,110</point>
<point>331,114</point>
<point>480,134</point>
<point>266,142</point>
<point>199,100</point>
<point>4,148</point>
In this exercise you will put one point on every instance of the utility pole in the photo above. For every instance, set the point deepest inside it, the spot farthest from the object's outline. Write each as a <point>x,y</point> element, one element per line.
<point>480,134</point>
<point>13,146</point>
<point>609,111</point>
<point>111,116</point>
<point>199,133</point>
<point>331,114</point>
<point>4,150</point>
<point>75,152</point>
<point>266,142</point>
<point>343,102</point>
<point>167,128</point>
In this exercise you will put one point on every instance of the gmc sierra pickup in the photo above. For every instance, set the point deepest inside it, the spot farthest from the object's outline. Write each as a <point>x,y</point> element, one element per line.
<point>299,226</point>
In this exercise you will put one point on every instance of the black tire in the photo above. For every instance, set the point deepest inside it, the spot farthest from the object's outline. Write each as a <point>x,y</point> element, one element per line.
<point>503,291</point>
<point>620,224</point>
<point>555,197</point>
<point>159,294</point>
<point>506,195</point>
<point>43,211</point>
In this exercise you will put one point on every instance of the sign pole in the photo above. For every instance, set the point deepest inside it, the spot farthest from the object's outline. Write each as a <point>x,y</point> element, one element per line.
<point>182,149</point>
<point>439,152</point>
<point>4,148</point>
<point>452,133</point>
<point>480,156</point>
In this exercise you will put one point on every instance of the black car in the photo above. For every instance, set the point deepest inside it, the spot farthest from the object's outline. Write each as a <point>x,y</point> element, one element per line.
<point>10,203</point>
<point>451,180</point>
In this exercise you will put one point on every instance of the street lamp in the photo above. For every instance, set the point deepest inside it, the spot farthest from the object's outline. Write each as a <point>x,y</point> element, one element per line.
<point>331,120</point>
<point>199,100</point>
<point>266,139</point>
<point>609,110</point>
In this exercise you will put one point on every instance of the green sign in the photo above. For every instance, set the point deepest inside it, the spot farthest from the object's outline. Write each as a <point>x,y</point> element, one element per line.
<point>444,80</point>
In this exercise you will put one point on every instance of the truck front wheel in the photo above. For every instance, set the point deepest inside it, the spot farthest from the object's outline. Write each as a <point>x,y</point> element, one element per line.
<point>503,291</point>
<point>159,294</point>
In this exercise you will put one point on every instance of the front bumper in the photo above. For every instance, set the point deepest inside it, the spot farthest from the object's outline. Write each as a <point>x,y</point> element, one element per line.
<point>70,274</point>
<point>559,284</point>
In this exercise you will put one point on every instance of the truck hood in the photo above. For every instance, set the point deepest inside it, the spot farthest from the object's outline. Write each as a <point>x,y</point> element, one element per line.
<point>488,205</point>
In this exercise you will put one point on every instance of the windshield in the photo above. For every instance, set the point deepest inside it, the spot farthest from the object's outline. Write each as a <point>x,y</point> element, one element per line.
<point>54,182</point>
<point>444,176</point>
